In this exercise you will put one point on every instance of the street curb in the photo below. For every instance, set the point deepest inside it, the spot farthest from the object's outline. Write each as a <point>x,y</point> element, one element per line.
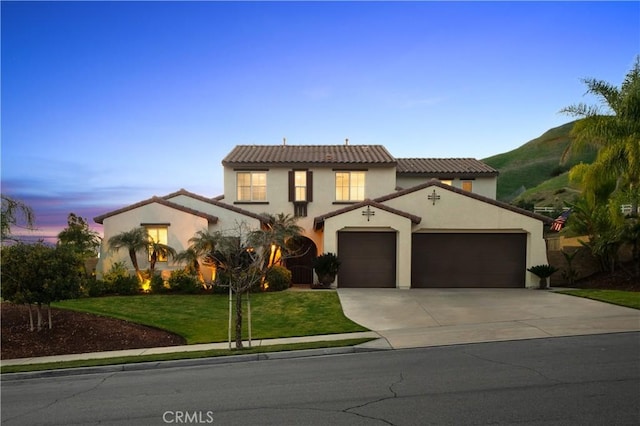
<point>152,365</point>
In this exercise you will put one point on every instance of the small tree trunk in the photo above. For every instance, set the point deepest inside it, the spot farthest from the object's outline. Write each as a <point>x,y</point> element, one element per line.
<point>49,313</point>
<point>134,261</point>
<point>39,312</point>
<point>30,317</point>
<point>238,321</point>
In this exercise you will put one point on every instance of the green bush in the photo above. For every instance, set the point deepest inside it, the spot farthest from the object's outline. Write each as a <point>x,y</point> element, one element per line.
<point>158,285</point>
<point>181,281</point>
<point>119,281</point>
<point>93,287</point>
<point>278,278</point>
<point>126,286</point>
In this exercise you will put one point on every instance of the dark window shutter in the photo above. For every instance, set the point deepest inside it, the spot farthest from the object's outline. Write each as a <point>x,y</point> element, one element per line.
<point>292,186</point>
<point>309,186</point>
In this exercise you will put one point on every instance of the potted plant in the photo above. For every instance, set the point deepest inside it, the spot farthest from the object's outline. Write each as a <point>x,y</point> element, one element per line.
<point>543,272</point>
<point>326,266</point>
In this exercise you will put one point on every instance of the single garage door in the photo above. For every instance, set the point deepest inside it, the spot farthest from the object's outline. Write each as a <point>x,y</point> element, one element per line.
<point>368,259</point>
<point>468,260</point>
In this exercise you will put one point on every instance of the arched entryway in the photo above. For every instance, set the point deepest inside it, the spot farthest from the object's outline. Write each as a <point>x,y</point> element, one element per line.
<point>301,265</point>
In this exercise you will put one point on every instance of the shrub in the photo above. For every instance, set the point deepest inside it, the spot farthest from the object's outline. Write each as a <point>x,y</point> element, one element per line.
<point>525,204</point>
<point>558,170</point>
<point>183,282</point>
<point>118,269</point>
<point>93,287</point>
<point>126,286</point>
<point>543,271</point>
<point>158,284</point>
<point>278,278</point>
<point>119,281</point>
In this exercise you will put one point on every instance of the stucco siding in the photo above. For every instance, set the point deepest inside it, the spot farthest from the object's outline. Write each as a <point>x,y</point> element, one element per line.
<point>382,221</point>
<point>379,181</point>
<point>227,219</point>
<point>182,226</point>
<point>454,212</point>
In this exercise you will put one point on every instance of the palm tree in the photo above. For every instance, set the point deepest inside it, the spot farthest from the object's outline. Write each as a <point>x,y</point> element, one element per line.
<point>192,260</point>
<point>204,244</point>
<point>279,230</point>
<point>615,133</point>
<point>134,240</point>
<point>158,251</point>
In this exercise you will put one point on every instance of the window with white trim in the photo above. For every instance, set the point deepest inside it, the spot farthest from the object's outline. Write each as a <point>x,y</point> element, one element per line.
<point>251,186</point>
<point>350,186</point>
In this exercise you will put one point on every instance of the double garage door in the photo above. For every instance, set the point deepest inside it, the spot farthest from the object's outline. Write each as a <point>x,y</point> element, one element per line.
<point>437,259</point>
<point>468,260</point>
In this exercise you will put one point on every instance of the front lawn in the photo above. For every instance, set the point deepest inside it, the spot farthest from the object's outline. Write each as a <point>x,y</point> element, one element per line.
<point>630,299</point>
<point>204,318</point>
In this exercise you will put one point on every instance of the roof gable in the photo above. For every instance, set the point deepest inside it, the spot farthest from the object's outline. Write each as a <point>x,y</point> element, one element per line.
<point>165,201</point>
<point>100,219</point>
<point>435,182</point>
<point>318,222</point>
<point>215,202</point>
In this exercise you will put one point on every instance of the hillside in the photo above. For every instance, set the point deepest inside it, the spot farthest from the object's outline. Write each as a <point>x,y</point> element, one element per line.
<point>534,174</point>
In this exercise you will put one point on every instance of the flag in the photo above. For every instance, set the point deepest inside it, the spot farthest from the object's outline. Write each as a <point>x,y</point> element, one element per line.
<point>558,224</point>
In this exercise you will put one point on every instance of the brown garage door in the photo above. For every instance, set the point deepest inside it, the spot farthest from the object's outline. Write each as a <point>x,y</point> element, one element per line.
<point>368,259</point>
<point>468,260</point>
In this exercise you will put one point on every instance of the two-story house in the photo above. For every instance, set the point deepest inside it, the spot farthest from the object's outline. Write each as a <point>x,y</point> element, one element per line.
<point>393,222</point>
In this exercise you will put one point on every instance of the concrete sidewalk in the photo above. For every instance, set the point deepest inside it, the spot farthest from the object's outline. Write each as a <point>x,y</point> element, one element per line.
<point>433,317</point>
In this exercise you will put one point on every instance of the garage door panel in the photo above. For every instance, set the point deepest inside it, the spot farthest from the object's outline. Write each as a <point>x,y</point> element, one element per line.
<point>468,260</point>
<point>368,259</point>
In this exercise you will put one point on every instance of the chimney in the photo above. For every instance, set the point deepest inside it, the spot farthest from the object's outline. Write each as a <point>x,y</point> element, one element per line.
<point>284,141</point>
<point>346,141</point>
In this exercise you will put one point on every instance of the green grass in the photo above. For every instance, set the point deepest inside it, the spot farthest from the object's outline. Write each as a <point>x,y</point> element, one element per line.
<point>177,356</point>
<point>204,318</point>
<point>630,299</point>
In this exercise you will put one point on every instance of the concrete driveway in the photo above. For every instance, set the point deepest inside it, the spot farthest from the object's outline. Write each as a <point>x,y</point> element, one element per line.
<point>433,317</point>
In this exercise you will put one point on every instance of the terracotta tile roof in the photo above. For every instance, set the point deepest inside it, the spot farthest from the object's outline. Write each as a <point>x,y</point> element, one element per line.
<point>318,222</point>
<point>435,182</point>
<point>159,200</point>
<point>308,154</point>
<point>444,166</point>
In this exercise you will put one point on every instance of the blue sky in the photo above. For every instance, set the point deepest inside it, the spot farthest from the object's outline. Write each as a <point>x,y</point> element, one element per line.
<point>108,103</point>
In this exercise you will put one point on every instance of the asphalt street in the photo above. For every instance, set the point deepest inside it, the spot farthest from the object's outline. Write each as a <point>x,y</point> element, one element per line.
<point>579,380</point>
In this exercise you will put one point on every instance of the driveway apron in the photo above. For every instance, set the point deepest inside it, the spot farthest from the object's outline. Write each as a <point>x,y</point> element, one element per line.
<point>433,317</point>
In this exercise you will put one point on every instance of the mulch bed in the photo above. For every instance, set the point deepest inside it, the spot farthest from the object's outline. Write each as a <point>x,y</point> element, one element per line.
<point>74,332</point>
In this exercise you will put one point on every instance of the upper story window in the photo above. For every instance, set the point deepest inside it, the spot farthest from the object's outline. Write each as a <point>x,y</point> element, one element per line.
<point>252,186</point>
<point>350,186</point>
<point>158,234</point>
<point>446,181</point>
<point>300,186</point>
<point>467,185</point>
